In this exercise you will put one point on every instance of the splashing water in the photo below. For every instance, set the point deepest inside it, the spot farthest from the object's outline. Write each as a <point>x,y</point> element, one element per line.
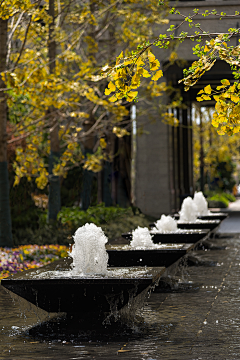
<point>88,252</point>
<point>165,224</point>
<point>201,203</point>
<point>141,238</point>
<point>189,211</point>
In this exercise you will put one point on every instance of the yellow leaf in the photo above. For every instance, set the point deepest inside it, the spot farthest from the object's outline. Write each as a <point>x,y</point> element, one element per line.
<point>232,88</point>
<point>151,57</point>
<point>131,95</point>
<point>206,49</point>
<point>103,143</point>
<point>119,58</point>
<point>111,88</point>
<point>208,89</point>
<point>119,132</point>
<point>139,71</point>
<point>107,92</point>
<point>201,92</point>
<point>199,99</point>
<point>135,81</point>
<point>154,65</point>
<point>139,62</point>
<point>221,132</point>
<point>145,73</point>
<point>225,82</point>
<point>226,95</point>
<point>120,96</point>
<point>215,122</point>
<point>236,130</point>
<point>235,98</point>
<point>157,75</point>
<point>205,97</point>
<point>220,87</point>
<point>113,98</point>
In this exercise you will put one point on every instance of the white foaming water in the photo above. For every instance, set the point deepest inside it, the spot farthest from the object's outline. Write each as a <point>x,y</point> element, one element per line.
<point>88,252</point>
<point>189,211</point>
<point>201,203</point>
<point>165,224</point>
<point>141,238</point>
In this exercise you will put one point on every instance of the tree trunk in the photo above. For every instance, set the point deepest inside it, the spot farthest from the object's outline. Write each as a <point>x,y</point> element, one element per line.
<point>5,214</point>
<point>54,197</point>
<point>87,185</point>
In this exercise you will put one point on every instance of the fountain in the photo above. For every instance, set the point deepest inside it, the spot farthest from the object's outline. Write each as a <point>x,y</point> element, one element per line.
<point>201,203</point>
<point>83,284</point>
<point>188,217</point>
<point>165,224</point>
<point>203,212</point>
<point>143,251</point>
<point>166,231</point>
<point>88,251</point>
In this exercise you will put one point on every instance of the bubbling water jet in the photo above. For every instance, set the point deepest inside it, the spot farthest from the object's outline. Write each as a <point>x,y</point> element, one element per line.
<point>201,203</point>
<point>142,239</point>
<point>189,211</point>
<point>88,252</point>
<point>165,224</point>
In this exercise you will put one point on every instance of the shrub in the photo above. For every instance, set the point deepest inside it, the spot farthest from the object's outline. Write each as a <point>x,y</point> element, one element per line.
<point>229,197</point>
<point>73,217</point>
<point>218,200</point>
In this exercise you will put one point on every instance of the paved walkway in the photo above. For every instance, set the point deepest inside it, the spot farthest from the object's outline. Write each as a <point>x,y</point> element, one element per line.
<point>232,224</point>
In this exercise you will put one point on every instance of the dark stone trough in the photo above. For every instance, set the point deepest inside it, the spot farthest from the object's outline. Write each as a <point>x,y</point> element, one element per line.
<point>200,224</point>
<point>186,236</point>
<point>165,256</point>
<point>53,290</point>
<point>212,216</point>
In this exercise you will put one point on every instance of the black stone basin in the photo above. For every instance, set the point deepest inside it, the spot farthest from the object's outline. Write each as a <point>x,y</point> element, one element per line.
<point>212,216</point>
<point>51,289</point>
<point>185,236</point>
<point>165,255</point>
<point>199,224</point>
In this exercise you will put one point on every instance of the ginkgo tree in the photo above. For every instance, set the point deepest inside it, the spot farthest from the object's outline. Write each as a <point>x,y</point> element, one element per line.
<point>212,153</point>
<point>127,73</point>
<point>69,98</point>
<point>76,91</point>
<point>7,10</point>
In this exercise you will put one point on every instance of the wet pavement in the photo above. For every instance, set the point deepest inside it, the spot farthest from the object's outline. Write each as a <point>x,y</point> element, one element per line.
<point>198,320</point>
<point>232,224</point>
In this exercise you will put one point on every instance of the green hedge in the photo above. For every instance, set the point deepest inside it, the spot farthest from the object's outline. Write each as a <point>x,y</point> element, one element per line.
<point>229,197</point>
<point>73,217</point>
<point>218,201</point>
<point>113,220</point>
